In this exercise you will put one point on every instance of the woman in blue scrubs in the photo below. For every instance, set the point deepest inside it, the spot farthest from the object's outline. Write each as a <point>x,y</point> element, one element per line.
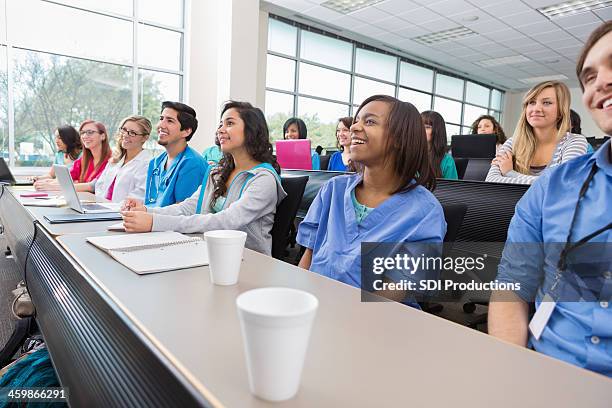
<point>295,128</point>
<point>387,200</point>
<point>339,160</point>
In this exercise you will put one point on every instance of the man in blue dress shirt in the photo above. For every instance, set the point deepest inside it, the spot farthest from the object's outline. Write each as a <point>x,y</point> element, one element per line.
<point>177,173</point>
<point>569,205</point>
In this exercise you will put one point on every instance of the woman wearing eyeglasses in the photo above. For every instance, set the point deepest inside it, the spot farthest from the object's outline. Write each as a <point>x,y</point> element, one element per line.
<point>95,156</point>
<point>126,173</point>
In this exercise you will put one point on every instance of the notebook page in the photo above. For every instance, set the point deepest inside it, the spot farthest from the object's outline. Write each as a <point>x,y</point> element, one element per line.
<point>141,240</point>
<point>181,256</point>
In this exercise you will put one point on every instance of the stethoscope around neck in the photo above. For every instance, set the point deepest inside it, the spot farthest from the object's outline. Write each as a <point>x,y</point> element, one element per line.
<point>569,245</point>
<point>156,180</point>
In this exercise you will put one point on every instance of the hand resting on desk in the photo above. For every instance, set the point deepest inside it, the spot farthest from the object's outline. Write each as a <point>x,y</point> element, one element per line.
<point>137,221</point>
<point>133,204</point>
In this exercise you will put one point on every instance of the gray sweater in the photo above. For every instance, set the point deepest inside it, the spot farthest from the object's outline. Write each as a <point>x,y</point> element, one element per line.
<point>248,207</point>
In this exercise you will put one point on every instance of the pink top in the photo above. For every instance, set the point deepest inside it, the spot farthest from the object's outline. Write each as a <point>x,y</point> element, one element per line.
<point>90,175</point>
<point>109,192</point>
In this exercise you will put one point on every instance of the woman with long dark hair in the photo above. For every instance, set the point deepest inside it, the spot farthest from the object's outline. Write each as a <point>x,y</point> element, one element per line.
<point>69,149</point>
<point>387,200</point>
<point>241,193</point>
<point>435,130</point>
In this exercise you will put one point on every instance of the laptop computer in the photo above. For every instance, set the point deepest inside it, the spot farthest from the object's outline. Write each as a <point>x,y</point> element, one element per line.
<point>294,154</point>
<point>474,146</point>
<point>72,199</point>
<point>7,177</point>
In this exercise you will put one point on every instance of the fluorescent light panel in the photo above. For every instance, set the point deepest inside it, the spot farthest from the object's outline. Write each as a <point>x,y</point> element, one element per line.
<point>535,80</point>
<point>514,59</point>
<point>573,7</point>
<point>348,6</point>
<point>445,35</point>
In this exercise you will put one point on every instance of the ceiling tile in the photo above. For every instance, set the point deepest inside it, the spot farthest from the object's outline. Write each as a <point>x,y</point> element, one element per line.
<point>515,42</point>
<point>388,38</point>
<point>499,52</point>
<point>449,7</point>
<point>583,29</point>
<point>524,18</point>
<point>440,25</point>
<point>295,5</point>
<point>541,55</point>
<point>419,15</point>
<point>464,17</point>
<point>507,34</point>
<point>322,13</point>
<point>537,28</point>
<point>555,35</point>
<point>506,9</point>
<point>411,31</point>
<point>605,14</point>
<point>485,3</point>
<point>529,46</point>
<point>475,41</point>
<point>543,3</point>
<point>393,24</point>
<point>563,44</point>
<point>368,30</point>
<point>577,20</point>
<point>395,7</point>
<point>370,14</point>
<point>488,26</point>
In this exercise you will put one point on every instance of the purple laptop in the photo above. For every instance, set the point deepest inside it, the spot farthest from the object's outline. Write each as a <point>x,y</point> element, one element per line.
<point>294,154</point>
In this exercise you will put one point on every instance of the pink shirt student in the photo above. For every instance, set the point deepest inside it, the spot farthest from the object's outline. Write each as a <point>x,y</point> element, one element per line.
<point>90,174</point>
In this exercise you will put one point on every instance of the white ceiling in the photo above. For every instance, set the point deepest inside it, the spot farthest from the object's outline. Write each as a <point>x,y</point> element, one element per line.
<point>504,28</point>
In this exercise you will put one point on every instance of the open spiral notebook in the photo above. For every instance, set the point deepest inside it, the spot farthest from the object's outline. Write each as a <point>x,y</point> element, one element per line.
<point>153,252</point>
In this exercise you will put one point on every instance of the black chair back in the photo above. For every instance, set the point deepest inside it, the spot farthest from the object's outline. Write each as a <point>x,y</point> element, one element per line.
<point>325,161</point>
<point>453,214</point>
<point>460,164</point>
<point>477,169</point>
<point>316,179</point>
<point>286,211</point>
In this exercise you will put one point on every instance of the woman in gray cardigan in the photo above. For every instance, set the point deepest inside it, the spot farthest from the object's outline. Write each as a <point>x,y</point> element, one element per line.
<point>241,193</point>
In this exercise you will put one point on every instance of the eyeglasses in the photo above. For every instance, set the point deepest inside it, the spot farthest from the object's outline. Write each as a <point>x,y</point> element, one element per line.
<point>124,132</point>
<point>88,132</point>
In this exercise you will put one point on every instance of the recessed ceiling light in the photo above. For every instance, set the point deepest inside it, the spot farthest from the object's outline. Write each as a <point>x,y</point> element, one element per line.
<point>469,18</point>
<point>445,35</point>
<point>573,7</point>
<point>494,62</point>
<point>348,6</point>
<point>534,80</point>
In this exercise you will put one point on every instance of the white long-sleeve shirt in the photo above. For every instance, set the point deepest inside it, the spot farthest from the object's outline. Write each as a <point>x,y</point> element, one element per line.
<point>130,178</point>
<point>569,147</point>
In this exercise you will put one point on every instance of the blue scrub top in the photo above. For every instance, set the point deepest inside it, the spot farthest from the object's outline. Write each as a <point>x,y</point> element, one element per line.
<point>577,332</point>
<point>178,182</point>
<point>335,163</point>
<point>316,161</point>
<point>331,229</point>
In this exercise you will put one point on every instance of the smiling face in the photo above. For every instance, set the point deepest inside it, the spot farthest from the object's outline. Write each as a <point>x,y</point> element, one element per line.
<point>293,132</point>
<point>343,134</point>
<point>485,127</point>
<point>542,111</point>
<point>91,137</point>
<point>169,128</point>
<point>61,146</point>
<point>132,136</point>
<point>231,132</point>
<point>596,77</point>
<point>368,138</point>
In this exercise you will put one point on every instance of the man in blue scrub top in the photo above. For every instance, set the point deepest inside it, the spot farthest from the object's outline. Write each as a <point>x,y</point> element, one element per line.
<point>177,173</point>
<point>569,205</point>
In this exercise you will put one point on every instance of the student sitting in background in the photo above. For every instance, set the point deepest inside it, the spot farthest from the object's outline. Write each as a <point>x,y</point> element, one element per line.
<point>213,154</point>
<point>69,149</point>
<point>569,204</point>
<point>241,193</point>
<point>339,161</point>
<point>541,139</point>
<point>386,201</point>
<point>295,128</point>
<point>487,125</point>
<point>93,161</point>
<point>126,173</point>
<point>575,123</point>
<point>176,173</point>
<point>435,130</point>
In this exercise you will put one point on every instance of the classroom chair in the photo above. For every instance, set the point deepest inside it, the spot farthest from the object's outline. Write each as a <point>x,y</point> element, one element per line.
<point>285,213</point>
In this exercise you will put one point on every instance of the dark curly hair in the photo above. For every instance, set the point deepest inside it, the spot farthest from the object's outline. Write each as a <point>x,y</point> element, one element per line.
<point>497,128</point>
<point>256,142</point>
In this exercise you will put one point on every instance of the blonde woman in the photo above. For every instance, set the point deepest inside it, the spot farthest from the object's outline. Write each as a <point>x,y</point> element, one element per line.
<point>126,173</point>
<point>541,139</point>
